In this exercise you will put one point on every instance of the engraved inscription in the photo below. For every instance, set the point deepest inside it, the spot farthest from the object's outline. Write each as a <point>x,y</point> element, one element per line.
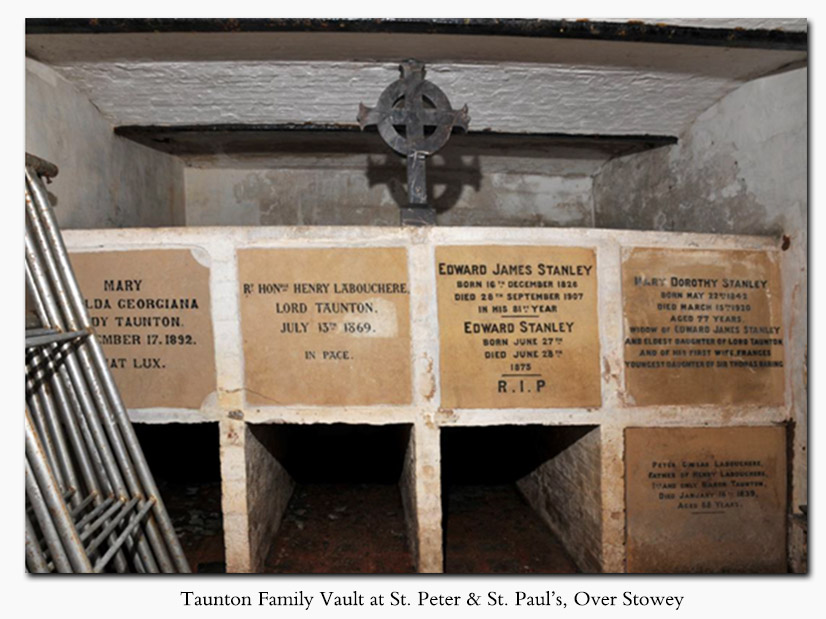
<point>325,326</point>
<point>702,327</point>
<point>151,312</point>
<point>705,499</point>
<point>518,327</point>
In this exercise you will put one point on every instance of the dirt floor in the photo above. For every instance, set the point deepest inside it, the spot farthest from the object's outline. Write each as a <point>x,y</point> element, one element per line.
<point>360,528</point>
<point>195,510</point>
<point>492,530</point>
<point>342,529</point>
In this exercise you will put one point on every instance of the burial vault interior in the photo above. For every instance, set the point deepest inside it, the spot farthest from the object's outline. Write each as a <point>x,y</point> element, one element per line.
<point>178,135</point>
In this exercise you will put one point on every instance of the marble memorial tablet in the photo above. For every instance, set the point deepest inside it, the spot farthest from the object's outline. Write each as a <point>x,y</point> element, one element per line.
<point>702,327</point>
<point>325,326</point>
<point>151,312</point>
<point>706,499</point>
<point>518,327</point>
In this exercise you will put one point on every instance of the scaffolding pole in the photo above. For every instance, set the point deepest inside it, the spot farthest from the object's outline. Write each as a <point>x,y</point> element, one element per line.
<point>92,504</point>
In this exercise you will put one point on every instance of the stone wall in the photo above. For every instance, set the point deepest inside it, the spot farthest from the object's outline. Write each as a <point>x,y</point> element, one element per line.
<point>588,473</point>
<point>566,493</point>
<point>741,168</point>
<point>323,195</point>
<point>105,181</point>
<point>407,486</point>
<point>269,488</point>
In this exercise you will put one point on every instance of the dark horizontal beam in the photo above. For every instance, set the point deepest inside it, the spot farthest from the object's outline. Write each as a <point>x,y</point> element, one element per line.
<point>303,138</point>
<point>549,28</point>
<point>130,130</point>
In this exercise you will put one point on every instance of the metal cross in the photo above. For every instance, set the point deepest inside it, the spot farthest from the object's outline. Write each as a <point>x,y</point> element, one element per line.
<point>414,117</point>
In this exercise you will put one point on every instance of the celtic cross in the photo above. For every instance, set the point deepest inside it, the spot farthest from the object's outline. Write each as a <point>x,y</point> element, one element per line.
<point>414,117</point>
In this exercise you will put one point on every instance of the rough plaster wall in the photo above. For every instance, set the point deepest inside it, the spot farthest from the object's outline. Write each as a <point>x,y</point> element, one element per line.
<point>407,485</point>
<point>565,492</point>
<point>740,168</point>
<point>269,488</point>
<point>104,181</point>
<point>318,196</point>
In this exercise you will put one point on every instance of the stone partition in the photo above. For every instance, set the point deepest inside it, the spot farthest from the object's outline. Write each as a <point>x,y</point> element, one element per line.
<point>269,488</point>
<point>565,491</point>
<point>373,307</point>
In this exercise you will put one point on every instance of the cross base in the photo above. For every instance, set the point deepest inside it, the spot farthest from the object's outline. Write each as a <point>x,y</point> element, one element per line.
<point>418,215</point>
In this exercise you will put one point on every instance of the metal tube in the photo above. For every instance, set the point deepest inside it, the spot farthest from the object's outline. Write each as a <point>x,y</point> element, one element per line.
<point>101,563</point>
<point>53,338</point>
<point>43,209</point>
<point>91,464</point>
<point>71,372</point>
<point>94,513</point>
<point>84,373</point>
<point>44,519</point>
<point>120,560</point>
<point>33,404</point>
<point>39,308</point>
<point>100,521</point>
<point>132,444</point>
<point>36,279</point>
<point>57,287</point>
<point>78,447</point>
<point>39,281</point>
<point>68,405</point>
<point>100,440</point>
<point>75,512</point>
<point>79,419</point>
<point>62,520</point>
<point>34,556</point>
<point>61,449</point>
<point>65,405</point>
<point>116,521</point>
<point>116,442</point>
<point>66,496</point>
<point>38,330</point>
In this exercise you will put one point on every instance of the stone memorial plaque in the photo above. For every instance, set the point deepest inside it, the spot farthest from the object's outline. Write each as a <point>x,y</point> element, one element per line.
<point>706,499</point>
<point>702,327</point>
<point>151,311</point>
<point>518,327</point>
<point>325,326</point>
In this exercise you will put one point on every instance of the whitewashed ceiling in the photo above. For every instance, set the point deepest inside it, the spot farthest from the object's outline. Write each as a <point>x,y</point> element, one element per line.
<point>510,84</point>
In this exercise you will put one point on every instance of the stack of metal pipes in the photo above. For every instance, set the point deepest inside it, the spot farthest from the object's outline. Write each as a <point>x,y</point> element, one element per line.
<point>92,504</point>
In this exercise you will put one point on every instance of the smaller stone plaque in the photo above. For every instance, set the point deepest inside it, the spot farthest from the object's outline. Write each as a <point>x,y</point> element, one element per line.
<point>706,499</point>
<point>151,312</point>
<point>702,327</point>
<point>325,326</point>
<point>518,327</point>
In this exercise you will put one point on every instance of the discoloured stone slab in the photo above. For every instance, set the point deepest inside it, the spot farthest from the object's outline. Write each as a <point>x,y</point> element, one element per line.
<point>325,326</point>
<point>518,326</point>
<point>702,327</point>
<point>706,499</point>
<point>151,311</point>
